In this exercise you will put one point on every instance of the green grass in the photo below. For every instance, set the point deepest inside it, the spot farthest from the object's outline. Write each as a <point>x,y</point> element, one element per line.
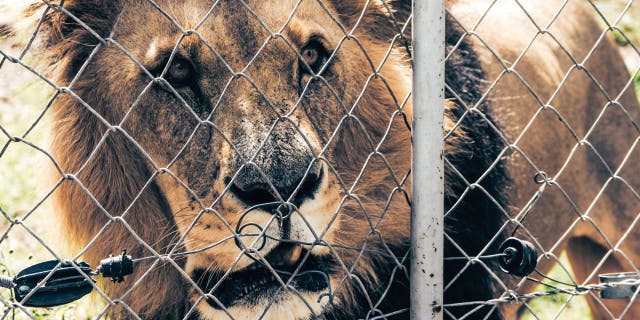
<point>562,306</point>
<point>628,23</point>
<point>636,81</point>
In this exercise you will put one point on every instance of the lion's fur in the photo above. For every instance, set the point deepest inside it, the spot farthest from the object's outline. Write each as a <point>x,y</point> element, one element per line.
<point>560,140</point>
<point>109,176</point>
<point>114,171</point>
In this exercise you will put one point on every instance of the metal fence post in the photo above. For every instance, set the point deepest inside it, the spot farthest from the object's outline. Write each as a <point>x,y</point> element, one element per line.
<point>427,226</point>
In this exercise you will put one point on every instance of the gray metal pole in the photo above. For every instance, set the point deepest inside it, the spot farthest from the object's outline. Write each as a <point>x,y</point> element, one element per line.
<point>427,224</point>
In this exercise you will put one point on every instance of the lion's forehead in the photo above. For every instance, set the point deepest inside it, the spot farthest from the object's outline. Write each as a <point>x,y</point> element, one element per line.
<point>231,31</point>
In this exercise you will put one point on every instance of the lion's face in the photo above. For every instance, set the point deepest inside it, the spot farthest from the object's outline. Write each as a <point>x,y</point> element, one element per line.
<point>245,140</point>
<point>247,151</point>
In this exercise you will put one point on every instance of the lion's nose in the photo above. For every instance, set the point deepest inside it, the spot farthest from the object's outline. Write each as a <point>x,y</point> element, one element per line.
<point>254,185</point>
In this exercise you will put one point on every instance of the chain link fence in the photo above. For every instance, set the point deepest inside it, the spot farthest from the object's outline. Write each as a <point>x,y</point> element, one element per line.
<point>236,159</point>
<point>541,145</point>
<point>213,159</point>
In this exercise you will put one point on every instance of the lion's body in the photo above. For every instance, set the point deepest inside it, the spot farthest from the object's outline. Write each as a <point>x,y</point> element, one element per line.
<point>577,104</point>
<point>149,176</point>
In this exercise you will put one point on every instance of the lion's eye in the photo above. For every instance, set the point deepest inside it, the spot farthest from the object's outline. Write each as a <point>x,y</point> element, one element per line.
<point>315,55</point>
<point>310,56</point>
<point>180,72</point>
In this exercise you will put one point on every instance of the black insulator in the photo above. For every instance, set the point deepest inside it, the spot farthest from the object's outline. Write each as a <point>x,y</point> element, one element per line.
<point>116,267</point>
<point>520,257</point>
<point>52,283</point>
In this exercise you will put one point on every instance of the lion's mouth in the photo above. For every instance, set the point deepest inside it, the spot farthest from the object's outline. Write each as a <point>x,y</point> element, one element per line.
<point>256,282</point>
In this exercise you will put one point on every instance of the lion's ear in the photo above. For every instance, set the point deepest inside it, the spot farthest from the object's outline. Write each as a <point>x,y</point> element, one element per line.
<point>378,19</point>
<point>70,29</point>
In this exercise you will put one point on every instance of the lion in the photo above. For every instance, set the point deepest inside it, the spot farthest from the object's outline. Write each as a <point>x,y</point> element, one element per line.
<point>258,153</point>
<point>208,132</point>
<point>553,146</point>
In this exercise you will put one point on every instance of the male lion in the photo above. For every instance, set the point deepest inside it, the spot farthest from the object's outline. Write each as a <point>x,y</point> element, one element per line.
<point>554,103</point>
<point>268,142</point>
<point>198,125</point>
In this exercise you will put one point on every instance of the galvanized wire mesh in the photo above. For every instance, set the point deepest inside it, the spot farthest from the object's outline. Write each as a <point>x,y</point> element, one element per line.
<point>241,196</point>
<point>542,146</point>
<point>226,148</point>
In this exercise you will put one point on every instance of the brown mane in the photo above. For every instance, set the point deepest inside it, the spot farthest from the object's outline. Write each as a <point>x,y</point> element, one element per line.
<point>114,173</point>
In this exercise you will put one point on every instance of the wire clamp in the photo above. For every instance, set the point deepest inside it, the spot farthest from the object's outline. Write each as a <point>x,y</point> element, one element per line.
<point>621,285</point>
<point>116,267</point>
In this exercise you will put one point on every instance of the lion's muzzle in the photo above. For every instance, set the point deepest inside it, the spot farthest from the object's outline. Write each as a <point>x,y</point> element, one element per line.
<point>284,168</point>
<point>287,267</point>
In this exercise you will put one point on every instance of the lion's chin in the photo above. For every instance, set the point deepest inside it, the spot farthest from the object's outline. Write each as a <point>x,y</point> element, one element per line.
<point>285,288</point>
<point>287,305</point>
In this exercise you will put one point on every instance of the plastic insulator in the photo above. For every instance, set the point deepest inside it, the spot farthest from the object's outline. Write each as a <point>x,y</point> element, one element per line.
<point>520,257</point>
<point>116,267</point>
